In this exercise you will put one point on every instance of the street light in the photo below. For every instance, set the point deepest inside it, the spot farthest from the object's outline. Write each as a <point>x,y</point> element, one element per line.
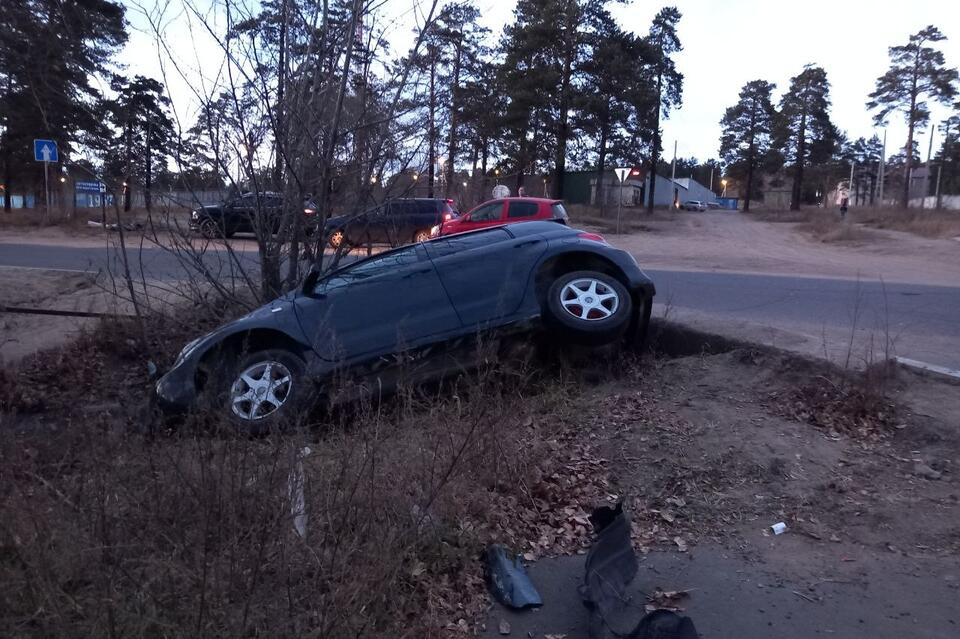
<point>373,179</point>
<point>416,176</point>
<point>62,179</point>
<point>723,183</point>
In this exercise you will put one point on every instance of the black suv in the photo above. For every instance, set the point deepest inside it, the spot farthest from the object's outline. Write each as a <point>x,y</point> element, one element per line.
<point>239,215</point>
<point>395,222</point>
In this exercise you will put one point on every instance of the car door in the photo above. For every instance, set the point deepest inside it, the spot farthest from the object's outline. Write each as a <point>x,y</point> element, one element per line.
<point>378,305</point>
<point>484,215</point>
<point>485,273</point>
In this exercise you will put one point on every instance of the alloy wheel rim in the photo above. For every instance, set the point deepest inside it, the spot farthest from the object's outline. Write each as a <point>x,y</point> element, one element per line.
<point>260,390</point>
<point>589,299</point>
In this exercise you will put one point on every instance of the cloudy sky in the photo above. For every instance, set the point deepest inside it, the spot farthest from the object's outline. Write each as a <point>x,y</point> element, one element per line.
<point>726,44</point>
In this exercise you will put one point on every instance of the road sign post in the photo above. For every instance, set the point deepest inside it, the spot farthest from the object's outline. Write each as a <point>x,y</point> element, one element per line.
<point>622,176</point>
<point>46,151</point>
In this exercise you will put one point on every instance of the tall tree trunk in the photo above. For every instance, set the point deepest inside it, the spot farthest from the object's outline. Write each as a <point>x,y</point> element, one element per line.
<point>602,166</point>
<point>454,110</point>
<point>279,132</point>
<point>521,158</point>
<point>911,124</point>
<point>655,151</point>
<point>471,195</point>
<point>432,133</point>
<point>798,169</point>
<point>484,156</point>
<point>563,124</point>
<point>8,183</point>
<point>148,172</point>
<point>750,157</point>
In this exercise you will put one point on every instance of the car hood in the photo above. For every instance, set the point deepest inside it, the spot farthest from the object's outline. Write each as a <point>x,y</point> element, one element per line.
<point>277,315</point>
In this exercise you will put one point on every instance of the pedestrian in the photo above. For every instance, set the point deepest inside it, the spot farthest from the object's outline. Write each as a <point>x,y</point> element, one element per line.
<point>521,192</point>
<point>843,207</point>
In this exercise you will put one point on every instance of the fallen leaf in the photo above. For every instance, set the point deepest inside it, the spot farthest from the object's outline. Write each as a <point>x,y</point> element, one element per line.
<point>504,627</point>
<point>681,544</point>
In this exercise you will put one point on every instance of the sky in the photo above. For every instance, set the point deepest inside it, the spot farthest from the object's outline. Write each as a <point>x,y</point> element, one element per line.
<point>725,45</point>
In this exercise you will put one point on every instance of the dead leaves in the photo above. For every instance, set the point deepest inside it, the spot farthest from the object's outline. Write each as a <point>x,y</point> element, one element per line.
<point>666,600</point>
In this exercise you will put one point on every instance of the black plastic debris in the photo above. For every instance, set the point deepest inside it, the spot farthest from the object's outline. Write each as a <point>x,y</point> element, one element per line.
<point>610,567</point>
<point>507,580</point>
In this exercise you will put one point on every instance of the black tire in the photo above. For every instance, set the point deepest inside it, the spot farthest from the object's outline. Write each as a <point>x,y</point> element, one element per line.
<point>276,405</point>
<point>598,314</point>
<point>210,229</point>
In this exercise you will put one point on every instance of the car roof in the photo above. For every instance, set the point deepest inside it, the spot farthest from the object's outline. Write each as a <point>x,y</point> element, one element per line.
<point>528,199</point>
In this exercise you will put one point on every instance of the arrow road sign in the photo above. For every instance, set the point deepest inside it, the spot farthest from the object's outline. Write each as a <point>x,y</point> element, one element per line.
<point>622,174</point>
<point>45,151</point>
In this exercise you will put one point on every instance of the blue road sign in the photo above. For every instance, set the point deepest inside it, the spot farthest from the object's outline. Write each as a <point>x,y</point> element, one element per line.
<point>45,151</point>
<point>90,187</point>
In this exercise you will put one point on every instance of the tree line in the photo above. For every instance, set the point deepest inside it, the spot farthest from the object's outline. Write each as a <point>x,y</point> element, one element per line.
<point>798,134</point>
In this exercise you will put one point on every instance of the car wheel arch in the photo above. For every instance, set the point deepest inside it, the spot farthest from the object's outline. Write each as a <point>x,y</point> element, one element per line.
<point>556,265</point>
<point>243,341</point>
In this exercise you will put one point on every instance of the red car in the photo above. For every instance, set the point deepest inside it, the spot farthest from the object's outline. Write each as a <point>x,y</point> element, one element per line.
<point>504,211</point>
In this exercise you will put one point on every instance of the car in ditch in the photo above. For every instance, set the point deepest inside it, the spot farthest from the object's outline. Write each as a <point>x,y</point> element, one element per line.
<point>360,326</point>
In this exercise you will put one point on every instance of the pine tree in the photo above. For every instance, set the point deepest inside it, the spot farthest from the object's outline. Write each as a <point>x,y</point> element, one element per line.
<point>917,72</point>
<point>146,135</point>
<point>804,130</point>
<point>746,142</point>
<point>667,82</point>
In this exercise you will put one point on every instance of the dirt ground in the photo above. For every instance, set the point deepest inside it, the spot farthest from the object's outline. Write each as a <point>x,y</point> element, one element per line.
<point>730,241</point>
<point>21,335</point>
<point>709,450</point>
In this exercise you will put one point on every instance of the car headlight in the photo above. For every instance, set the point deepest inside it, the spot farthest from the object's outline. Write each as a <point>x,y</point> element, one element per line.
<point>435,231</point>
<point>194,215</point>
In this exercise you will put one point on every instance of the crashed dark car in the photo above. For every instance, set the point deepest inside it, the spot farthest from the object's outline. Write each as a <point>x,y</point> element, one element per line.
<point>360,326</point>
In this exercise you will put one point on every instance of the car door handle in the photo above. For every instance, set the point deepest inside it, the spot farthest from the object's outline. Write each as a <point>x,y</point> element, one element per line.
<point>527,243</point>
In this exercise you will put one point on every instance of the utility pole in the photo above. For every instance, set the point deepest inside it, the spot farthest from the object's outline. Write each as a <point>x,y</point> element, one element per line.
<point>711,179</point>
<point>850,198</point>
<point>673,166</point>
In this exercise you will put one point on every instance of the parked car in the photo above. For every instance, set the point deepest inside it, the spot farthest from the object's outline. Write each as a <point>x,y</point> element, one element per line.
<point>240,215</point>
<point>694,205</point>
<point>422,302</point>
<point>504,211</point>
<point>395,222</point>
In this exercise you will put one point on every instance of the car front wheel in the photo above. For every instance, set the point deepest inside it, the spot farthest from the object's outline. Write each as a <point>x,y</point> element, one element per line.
<point>589,306</point>
<point>336,239</point>
<point>267,391</point>
<point>421,236</point>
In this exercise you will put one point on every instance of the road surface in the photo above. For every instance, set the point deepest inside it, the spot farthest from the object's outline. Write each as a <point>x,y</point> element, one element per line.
<point>922,322</point>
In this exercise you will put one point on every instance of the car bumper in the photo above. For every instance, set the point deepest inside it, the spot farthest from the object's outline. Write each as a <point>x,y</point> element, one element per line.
<point>176,391</point>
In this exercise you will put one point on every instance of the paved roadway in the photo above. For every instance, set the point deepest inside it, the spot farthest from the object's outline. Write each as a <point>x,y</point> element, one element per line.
<point>924,320</point>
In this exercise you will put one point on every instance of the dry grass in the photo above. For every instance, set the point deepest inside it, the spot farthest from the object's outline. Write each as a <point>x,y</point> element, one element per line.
<point>922,222</point>
<point>824,223</point>
<point>104,532</point>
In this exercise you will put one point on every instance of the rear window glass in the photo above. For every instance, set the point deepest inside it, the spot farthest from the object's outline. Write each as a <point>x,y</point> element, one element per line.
<point>522,209</point>
<point>559,213</point>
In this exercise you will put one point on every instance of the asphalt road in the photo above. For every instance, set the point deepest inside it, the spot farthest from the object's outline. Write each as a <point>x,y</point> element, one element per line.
<point>924,321</point>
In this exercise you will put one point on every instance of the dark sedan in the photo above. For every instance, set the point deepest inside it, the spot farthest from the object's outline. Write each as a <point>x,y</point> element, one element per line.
<point>361,326</point>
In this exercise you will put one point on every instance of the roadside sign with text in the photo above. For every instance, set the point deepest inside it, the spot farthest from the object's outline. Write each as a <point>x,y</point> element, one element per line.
<point>45,151</point>
<point>91,187</point>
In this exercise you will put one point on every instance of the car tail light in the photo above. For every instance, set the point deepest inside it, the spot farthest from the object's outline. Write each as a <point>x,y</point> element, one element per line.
<point>309,212</point>
<point>593,237</point>
<point>447,216</point>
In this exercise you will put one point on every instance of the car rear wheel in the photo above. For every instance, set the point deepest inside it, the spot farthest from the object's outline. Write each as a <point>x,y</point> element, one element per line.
<point>589,306</point>
<point>265,391</point>
<point>421,236</point>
